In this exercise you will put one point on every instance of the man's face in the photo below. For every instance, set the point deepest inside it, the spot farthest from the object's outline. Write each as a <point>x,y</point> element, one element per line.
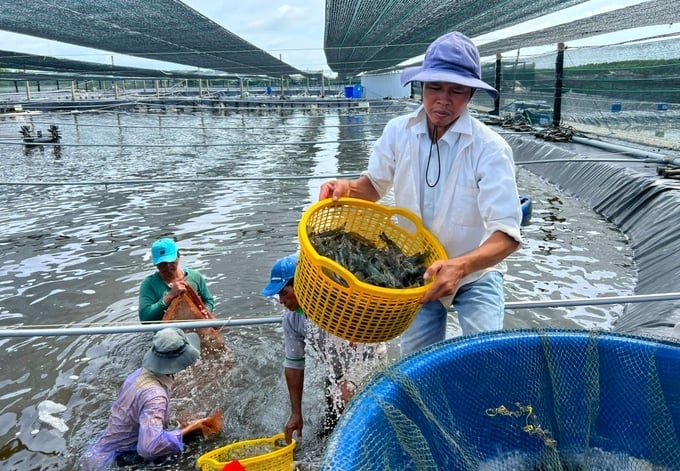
<point>288,299</point>
<point>444,102</point>
<point>168,268</point>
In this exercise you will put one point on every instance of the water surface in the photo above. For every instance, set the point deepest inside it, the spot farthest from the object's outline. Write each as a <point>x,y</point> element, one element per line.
<point>76,254</point>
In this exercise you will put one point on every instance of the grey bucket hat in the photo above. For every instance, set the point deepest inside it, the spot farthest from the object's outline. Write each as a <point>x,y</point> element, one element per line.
<point>451,58</point>
<point>171,351</point>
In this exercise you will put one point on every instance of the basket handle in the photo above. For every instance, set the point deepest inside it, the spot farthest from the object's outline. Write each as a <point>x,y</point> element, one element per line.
<point>417,223</point>
<point>335,268</point>
<point>390,211</point>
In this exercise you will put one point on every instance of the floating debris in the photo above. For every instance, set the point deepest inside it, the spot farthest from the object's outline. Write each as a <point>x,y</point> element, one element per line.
<point>46,413</point>
<point>386,267</point>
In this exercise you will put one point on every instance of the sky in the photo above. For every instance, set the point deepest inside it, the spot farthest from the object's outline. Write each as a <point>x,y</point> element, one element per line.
<point>293,31</point>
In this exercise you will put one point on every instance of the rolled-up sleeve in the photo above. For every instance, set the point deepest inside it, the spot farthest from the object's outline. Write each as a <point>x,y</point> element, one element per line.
<point>294,330</point>
<point>151,305</point>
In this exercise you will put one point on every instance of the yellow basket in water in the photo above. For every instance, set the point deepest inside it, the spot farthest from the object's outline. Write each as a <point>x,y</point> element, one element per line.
<point>250,455</point>
<point>358,311</point>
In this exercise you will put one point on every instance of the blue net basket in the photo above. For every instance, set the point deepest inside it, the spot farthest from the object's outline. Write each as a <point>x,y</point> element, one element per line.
<point>519,400</point>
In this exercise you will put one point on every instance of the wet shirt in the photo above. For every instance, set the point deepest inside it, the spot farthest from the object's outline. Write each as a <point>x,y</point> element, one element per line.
<point>137,423</point>
<point>153,290</point>
<point>345,360</point>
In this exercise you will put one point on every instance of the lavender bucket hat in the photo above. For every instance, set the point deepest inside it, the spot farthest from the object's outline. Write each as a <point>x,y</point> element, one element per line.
<point>451,58</point>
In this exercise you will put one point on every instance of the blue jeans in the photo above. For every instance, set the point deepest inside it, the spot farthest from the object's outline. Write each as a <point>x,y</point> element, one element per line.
<point>480,308</point>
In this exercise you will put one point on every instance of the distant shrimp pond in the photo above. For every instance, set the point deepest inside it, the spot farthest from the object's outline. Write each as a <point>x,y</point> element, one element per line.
<point>230,187</point>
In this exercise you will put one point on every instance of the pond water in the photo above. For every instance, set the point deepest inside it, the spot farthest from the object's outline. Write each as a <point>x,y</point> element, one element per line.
<point>76,255</point>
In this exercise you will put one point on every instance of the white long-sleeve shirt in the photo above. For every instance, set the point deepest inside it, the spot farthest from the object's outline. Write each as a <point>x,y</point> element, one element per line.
<point>476,194</point>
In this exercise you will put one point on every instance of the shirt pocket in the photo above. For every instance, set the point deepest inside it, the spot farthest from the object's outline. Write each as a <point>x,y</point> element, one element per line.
<point>466,207</point>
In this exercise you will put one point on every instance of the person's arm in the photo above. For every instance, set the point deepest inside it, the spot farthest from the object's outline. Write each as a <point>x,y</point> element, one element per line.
<point>208,426</point>
<point>295,379</point>
<point>198,282</point>
<point>153,440</point>
<point>294,342</point>
<point>449,273</point>
<point>151,304</point>
<point>360,188</point>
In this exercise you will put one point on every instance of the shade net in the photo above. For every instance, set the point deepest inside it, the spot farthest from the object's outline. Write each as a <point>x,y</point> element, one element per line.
<point>520,400</point>
<point>362,35</point>
<point>163,30</point>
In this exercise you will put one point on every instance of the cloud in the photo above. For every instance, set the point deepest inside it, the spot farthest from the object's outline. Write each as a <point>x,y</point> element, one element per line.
<point>292,30</point>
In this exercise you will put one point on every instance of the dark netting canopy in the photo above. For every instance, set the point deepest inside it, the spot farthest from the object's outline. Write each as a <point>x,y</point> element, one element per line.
<point>655,12</point>
<point>360,35</point>
<point>70,69</point>
<point>364,35</point>
<point>164,30</point>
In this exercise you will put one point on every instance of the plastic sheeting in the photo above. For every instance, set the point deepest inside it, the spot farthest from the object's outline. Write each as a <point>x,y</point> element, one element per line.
<point>643,205</point>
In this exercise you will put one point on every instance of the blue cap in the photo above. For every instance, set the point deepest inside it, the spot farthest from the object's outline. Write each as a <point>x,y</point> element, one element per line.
<point>163,250</point>
<point>451,58</point>
<point>282,272</point>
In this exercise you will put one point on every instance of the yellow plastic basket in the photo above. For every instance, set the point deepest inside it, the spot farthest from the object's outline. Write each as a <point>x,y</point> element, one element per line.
<point>359,312</point>
<point>280,458</point>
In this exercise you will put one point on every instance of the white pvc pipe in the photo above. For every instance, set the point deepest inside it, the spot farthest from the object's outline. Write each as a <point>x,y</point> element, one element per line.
<point>640,298</point>
<point>122,329</point>
<point>152,327</point>
<point>639,153</point>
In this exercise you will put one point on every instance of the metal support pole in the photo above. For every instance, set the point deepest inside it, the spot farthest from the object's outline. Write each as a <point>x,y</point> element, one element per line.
<point>497,101</point>
<point>559,72</point>
<point>28,91</point>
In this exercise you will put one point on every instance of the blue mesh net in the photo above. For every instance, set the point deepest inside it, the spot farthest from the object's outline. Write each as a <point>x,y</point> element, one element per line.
<point>521,400</point>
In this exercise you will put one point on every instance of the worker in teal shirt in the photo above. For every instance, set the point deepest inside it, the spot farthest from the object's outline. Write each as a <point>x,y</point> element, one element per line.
<point>169,281</point>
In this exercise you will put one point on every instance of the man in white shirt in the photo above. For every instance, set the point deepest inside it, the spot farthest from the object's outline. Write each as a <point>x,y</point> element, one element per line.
<point>458,176</point>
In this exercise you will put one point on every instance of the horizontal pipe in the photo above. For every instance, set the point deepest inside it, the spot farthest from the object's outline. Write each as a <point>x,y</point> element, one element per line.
<point>639,153</point>
<point>174,180</point>
<point>587,161</point>
<point>201,145</point>
<point>136,328</point>
<point>640,298</point>
<point>152,327</point>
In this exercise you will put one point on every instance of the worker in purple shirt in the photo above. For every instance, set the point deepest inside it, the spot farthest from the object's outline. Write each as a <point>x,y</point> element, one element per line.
<point>136,432</point>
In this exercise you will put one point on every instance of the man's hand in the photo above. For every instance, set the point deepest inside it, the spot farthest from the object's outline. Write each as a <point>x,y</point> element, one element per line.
<point>293,426</point>
<point>208,426</point>
<point>448,275</point>
<point>334,189</point>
